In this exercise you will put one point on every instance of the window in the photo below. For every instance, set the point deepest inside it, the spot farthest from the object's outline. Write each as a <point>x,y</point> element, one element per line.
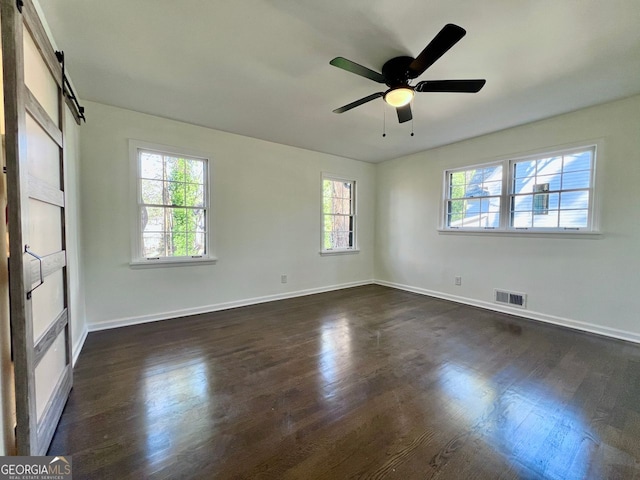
<point>338,214</point>
<point>474,197</point>
<point>550,192</point>
<point>172,206</point>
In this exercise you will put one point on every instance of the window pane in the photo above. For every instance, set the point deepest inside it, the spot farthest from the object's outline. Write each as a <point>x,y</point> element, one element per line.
<point>549,166</point>
<point>337,197</point>
<point>522,203</point>
<point>195,195</point>
<point>494,188</point>
<point>342,240</point>
<point>525,169</point>
<point>173,169</point>
<point>547,220</point>
<point>575,200</point>
<point>195,171</point>
<point>196,220</point>
<point>151,191</point>
<point>151,165</point>
<point>337,240</point>
<point>475,185</point>
<point>174,193</point>
<point>523,185</point>
<point>522,219</point>
<point>153,219</point>
<point>493,204</point>
<point>458,178</point>
<point>178,219</point>
<point>577,161</point>
<point>541,199</point>
<point>196,243</point>
<point>153,245</point>
<point>574,218</point>
<point>553,181</point>
<point>454,212</point>
<point>342,223</point>
<point>476,190</point>
<point>471,221</point>
<point>580,179</point>
<point>178,243</point>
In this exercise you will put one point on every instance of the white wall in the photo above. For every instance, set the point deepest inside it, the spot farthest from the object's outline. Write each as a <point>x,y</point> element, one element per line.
<point>266,221</point>
<point>588,283</point>
<point>76,306</point>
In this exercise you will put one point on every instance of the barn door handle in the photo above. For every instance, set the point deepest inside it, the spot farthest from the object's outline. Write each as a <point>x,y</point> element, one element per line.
<point>27,251</point>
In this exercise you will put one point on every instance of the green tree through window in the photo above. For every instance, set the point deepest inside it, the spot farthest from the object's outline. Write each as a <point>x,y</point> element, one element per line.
<point>173,205</point>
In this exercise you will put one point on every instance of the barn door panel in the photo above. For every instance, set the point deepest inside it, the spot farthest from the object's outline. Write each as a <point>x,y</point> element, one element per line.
<point>34,109</point>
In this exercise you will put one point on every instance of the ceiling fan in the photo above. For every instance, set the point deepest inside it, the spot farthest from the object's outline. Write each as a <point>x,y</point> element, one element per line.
<point>398,72</point>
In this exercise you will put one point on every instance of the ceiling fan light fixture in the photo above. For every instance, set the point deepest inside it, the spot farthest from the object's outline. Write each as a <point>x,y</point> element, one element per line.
<point>399,97</point>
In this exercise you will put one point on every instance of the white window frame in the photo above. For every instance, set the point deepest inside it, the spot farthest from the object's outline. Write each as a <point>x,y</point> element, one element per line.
<point>137,260</point>
<point>508,163</point>
<point>446,198</point>
<point>354,214</point>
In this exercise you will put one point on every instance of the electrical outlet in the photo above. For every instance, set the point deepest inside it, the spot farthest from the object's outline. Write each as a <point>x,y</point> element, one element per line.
<point>283,279</point>
<point>458,281</point>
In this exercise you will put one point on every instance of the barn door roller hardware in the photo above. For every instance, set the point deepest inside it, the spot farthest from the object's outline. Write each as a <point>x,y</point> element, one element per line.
<point>67,90</point>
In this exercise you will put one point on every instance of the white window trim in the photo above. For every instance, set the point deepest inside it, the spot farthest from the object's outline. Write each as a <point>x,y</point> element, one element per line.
<point>507,161</point>
<point>137,261</point>
<point>354,201</point>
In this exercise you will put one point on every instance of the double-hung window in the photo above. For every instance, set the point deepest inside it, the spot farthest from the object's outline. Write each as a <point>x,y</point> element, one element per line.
<point>172,212</point>
<point>553,192</point>
<point>474,197</point>
<point>547,192</point>
<point>338,215</point>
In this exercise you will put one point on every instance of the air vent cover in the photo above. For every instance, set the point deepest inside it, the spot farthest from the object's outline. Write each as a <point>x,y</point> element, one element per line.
<point>513,299</point>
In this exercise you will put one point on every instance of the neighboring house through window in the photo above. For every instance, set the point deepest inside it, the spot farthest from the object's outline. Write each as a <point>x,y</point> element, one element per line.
<point>548,192</point>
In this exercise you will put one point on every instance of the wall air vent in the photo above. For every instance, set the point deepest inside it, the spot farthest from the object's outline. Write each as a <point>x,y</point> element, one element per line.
<point>513,299</point>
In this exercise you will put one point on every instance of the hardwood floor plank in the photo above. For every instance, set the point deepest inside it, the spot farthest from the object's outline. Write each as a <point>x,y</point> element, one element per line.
<point>362,383</point>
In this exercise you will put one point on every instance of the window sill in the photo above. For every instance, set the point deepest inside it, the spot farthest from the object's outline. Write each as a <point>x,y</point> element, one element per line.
<point>524,233</point>
<point>350,251</point>
<point>172,263</point>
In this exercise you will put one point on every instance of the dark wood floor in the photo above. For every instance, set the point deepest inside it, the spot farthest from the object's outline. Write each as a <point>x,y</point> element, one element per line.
<point>368,382</point>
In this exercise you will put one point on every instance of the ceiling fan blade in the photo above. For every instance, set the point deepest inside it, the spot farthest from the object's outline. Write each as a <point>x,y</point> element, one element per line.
<point>443,41</point>
<point>404,113</point>
<point>357,103</point>
<point>353,67</point>
<point>460,86</point>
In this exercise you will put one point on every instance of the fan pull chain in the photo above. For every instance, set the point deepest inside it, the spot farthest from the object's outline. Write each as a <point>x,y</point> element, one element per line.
<point>384,121</point>
<point>412,117</point>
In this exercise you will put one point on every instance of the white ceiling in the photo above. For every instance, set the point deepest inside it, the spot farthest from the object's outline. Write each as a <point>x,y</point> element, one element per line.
<point>261,67</point>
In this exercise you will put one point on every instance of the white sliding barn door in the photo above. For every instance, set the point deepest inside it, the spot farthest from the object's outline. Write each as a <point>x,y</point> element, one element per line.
<point>34,116</point>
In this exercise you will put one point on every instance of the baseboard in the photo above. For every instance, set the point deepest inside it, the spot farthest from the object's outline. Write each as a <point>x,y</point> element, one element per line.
<point>77,347</point>
<point>124,322</point>
<point>541,317</point>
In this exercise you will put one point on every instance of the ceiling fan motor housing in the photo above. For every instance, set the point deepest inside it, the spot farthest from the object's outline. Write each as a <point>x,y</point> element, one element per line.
<point>396,72</point>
